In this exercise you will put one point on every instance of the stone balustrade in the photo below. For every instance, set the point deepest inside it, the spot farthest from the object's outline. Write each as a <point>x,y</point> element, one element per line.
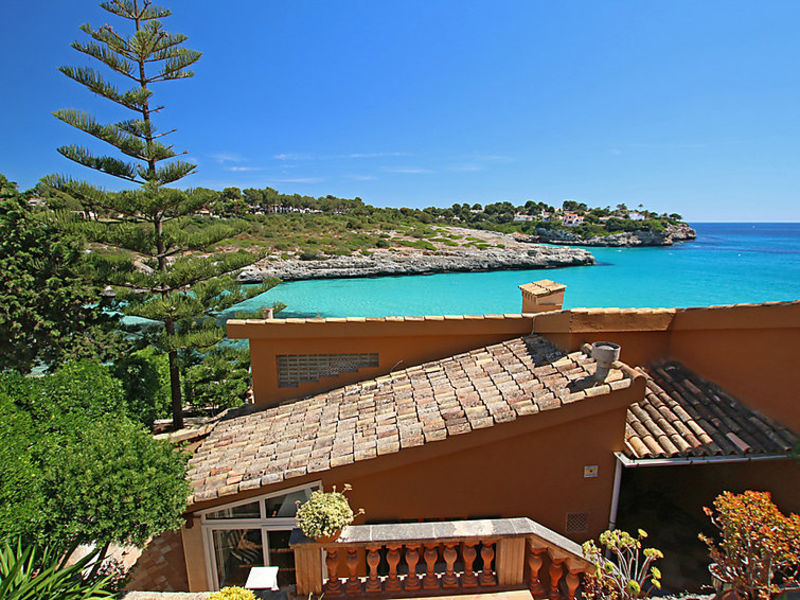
<point>452,557</point>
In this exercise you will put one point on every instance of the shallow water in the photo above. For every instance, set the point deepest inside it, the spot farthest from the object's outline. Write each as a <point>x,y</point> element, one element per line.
<point>728,263</point>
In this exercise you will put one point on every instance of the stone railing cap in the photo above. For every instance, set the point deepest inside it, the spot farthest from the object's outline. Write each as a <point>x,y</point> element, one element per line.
<point>445,530</point>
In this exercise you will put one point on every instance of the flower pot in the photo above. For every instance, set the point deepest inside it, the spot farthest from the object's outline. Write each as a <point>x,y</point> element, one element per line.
<point>327,539</point>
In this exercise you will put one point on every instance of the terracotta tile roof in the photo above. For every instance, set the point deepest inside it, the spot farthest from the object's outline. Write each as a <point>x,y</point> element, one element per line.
<point>684,415</point>
<point>407,408</point>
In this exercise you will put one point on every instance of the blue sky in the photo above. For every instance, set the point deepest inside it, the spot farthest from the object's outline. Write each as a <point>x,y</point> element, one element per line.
<point>690,107</point>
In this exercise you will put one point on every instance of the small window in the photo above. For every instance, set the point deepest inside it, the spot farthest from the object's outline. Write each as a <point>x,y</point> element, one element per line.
<point>243,511</point>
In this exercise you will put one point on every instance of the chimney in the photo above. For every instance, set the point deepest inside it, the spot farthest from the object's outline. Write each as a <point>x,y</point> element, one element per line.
<point>542,296</point>
<point>604,353</point>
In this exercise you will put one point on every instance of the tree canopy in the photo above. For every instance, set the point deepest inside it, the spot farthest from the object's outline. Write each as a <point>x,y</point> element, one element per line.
<point>48,311</point>
<point>75,468</point>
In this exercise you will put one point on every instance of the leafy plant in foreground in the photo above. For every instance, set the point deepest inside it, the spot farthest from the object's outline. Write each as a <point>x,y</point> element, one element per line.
<point>30,573</point>
<point>631,574</point>
<point>759,546</point>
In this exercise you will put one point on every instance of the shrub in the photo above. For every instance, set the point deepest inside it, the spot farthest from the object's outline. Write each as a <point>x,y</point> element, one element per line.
<point>759,546</point>
<point>309,254</point>
<point>325,513</point>
<point>233,593</point>
<point>628,577</point>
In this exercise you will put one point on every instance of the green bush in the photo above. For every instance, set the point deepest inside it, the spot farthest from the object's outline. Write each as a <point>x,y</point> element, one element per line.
<point>145,379</point>
<point>219,380</point>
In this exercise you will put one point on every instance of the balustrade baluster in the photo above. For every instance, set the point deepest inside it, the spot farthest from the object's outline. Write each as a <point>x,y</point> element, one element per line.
<point>353,585</point>
<point>333,586</point>
<point>373,584</point>
<point>573,579</point>
<point>469,579</point>
<point>412,583</point>
<point>535,560</point>
<point>450,554</point>
<point>487,578</point>
<point>556,571</point>
<point>430,581</point>
<point>392,583</point>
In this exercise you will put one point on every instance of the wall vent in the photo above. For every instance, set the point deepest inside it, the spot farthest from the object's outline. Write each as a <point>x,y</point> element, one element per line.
<point>577,522</point>
<point>294,369</point>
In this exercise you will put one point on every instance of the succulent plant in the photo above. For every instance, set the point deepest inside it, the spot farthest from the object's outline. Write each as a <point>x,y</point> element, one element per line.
<point>325,513</point>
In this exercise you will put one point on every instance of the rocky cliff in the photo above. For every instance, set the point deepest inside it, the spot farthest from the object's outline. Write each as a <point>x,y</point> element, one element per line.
<point>407,261</point>
<point>672,234</point>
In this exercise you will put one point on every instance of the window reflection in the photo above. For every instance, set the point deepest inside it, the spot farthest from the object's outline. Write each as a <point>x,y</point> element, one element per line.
<point>243,511</point>
<point>286,506</point>
<point>236,551</point>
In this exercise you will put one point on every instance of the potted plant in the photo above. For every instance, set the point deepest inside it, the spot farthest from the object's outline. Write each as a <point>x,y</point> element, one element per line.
<point>758,552</point>
<point>324,514</point>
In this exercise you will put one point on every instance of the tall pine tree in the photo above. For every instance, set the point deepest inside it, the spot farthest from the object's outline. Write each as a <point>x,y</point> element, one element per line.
<point>158,258</point>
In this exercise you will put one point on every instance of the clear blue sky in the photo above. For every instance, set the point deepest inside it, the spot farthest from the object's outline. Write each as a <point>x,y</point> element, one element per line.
<point>691,107</point>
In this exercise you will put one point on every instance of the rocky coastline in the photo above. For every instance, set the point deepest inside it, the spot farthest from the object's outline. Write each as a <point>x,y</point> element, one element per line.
<point>626,239</point>
<point>408,261</point>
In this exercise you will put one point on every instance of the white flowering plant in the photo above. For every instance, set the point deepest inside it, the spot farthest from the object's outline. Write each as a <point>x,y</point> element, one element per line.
<point>631,576</point>
<point>324,514</point>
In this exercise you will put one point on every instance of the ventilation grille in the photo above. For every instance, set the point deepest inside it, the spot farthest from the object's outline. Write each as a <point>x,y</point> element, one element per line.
<point>577,522</point>
<point>303,368</point>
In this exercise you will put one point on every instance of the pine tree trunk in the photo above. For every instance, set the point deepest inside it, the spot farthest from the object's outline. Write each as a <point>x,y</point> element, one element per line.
<point>175,387</point>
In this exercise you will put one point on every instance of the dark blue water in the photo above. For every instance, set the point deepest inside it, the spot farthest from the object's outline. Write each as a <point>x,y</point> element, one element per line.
<point>728,263</point>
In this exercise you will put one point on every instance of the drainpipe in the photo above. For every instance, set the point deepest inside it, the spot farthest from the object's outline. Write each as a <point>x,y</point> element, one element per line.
<point>612,517</point>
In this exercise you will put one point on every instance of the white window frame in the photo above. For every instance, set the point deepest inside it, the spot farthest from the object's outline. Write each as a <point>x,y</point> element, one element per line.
<point>263,523</point>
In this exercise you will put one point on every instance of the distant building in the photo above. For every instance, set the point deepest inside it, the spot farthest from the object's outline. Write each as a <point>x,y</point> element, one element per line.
<point>523,218</point>
<point>571,219</point>
<point>636,216</point>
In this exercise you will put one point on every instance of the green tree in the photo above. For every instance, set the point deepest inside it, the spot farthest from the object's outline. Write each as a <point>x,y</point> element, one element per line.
<point>161,266</point>
<point>66,433</point>
<point>47,311</point>
<point>220,379</point>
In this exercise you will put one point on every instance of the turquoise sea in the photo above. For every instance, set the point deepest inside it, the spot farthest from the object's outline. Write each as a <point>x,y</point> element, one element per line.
<point>728,263</point>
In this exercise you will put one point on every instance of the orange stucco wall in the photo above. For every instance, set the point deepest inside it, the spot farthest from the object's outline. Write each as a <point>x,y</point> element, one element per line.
<point>749,350</point>
<point>399,343</point>
<point>517,476</point>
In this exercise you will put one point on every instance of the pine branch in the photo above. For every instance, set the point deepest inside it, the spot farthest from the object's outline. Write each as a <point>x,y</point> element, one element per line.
<point>168,173</point>
<point>108,57</point>
<point>104,164</point>
<point>133,99</point>
<point>111,134</point>
<point>106,35</point>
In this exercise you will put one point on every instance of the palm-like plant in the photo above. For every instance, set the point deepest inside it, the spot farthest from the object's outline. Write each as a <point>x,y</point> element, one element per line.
<point>31,573</point>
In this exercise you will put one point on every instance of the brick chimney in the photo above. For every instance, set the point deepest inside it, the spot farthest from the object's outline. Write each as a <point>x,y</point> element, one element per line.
<point>542,296</point>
